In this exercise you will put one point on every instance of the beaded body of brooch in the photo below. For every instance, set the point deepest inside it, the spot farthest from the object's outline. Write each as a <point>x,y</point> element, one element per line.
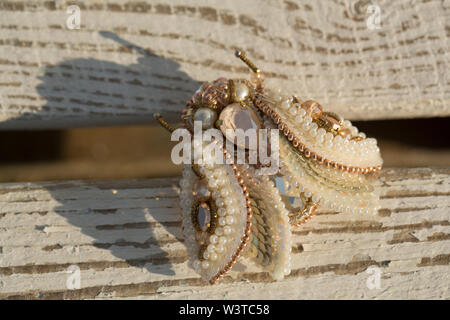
<point>228,210</point>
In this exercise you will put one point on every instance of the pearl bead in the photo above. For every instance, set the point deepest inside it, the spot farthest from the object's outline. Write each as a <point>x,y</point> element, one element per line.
<point>306,125</point>
<point>196,264</point>
<point>308,119</point>
<point>293,111</point>
<point>227,230</point>
<point>213,256</point>
<point>222,221</point>
<point>207,117</point>
<point>241,91</point>
<point>212,184</point>
<point>222,240</point>
<point>320,138</point>
<point>206,255</point>
<point>229,219</point>
<point>229,201</point>
<point>220,202</point>
<point>321,132</point>
<point>220,248</point>
<point>213,239</point>
<point>211,248</point>
<point>301,112</point>
<point>205,264</point>
<point>285,104</point>
<point>329,136</point>
<point>221,212</point>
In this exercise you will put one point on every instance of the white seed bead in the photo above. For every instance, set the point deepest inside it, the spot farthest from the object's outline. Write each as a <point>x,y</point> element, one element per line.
<point>329,136</point>
<point>211,248</point>
<point>306,125</point>
<point>301,112</point>
<point>213,256</point>
<point>213,239</point>
<point>293,111</point>
<point>227,230</point>
<point>220,248</point>
<point>221,212</point>
<point>222,221</point>
<point>205,264</point>
<point>229,219</point>
<point>321,132</point>
<point>285,104</point>
<point>308,119</point>
<point>229,201</point>
<point>320,138</point>
<point>206,255</point>
<point>222,240</point>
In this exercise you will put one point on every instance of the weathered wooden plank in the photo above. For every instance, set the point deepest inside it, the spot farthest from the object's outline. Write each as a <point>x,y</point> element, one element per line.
<point>125,237</point>
<point>154,54</point>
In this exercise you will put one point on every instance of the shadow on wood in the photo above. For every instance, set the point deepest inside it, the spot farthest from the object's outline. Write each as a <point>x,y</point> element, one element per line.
<point>70,77</point>
<point>91,90</point>
<point>124,228</point>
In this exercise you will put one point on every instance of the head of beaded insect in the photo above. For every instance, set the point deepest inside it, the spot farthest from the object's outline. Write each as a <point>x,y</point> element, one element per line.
<point>228,210</point>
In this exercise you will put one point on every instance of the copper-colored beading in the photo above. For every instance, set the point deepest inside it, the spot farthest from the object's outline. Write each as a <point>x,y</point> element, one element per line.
<point>246,236</point>
<point>275,117</point>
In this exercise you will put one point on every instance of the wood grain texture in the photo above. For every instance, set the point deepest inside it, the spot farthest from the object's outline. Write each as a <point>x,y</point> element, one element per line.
<point>132,58</point>
<point>125,238</point>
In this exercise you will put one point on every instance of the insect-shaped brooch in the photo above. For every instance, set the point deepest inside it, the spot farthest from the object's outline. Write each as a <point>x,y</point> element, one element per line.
<point>231,210</point>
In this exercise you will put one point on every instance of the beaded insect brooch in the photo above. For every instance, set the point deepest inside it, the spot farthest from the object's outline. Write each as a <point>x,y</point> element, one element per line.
<point>229,211</point>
